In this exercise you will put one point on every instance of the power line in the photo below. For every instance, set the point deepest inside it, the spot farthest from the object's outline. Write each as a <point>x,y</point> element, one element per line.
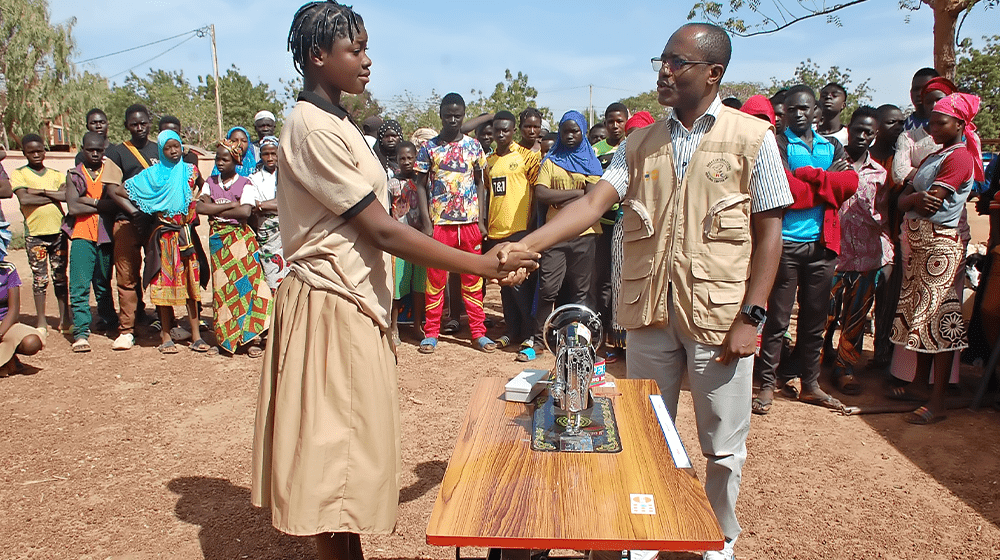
<point>200,29</point>
<point>153,58</point>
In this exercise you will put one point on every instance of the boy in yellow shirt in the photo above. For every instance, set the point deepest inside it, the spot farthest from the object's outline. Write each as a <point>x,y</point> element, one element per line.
<point>512,173</point>
<point>41,192</point>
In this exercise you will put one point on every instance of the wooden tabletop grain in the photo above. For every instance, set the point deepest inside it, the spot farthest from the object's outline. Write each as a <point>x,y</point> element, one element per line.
<point>497,492</point>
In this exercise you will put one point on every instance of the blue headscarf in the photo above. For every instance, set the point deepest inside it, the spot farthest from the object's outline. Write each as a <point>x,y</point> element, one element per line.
<point>579,160</point>
<point>163,187</point>
<point>248,166</point>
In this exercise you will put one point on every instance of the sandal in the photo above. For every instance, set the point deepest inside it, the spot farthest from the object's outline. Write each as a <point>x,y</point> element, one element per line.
<point>451,327</point>
<point>428,346</point>
<point>201,346</point>
<point>922,417</point>
<point>790,391</point>
<point>903,394</point>
<point>486,345</point>
<point>610,357</point>
<point>826,402</point>
<point>526,354</point>
<point>255,351</point>
<point>848,384</point>
<point>761,407</point>
<point>81,345</point>
<point>168,347</point>
<point>503,341</point>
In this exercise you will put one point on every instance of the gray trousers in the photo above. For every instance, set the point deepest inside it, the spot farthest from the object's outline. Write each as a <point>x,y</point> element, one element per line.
<point>721,395</point>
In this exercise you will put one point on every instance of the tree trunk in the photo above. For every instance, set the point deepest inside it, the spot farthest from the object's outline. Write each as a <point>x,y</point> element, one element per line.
<point>946,13</point>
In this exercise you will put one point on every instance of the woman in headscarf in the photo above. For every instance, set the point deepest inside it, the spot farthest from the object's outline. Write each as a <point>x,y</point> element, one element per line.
<point>246,162</point>
<point>911,149</point>
<point>567,268</point>
<point>929,314</point>
<point>389,135</point>
<point>241,297</point>
<point>261,195</point>
<point>166,191</point>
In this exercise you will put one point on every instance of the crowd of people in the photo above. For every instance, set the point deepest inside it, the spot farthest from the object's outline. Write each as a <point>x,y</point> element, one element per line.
<point>693,237</point>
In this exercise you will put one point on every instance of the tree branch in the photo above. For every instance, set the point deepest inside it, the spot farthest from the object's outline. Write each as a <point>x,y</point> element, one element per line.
<point>796,20</point>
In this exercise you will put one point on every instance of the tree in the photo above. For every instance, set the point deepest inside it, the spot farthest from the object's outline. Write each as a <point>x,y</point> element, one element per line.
<point>413,113</point>
<point>512,94</point>
<point>34,64</point>
<point>808,73</point>
<point>361,106</point>
<point>241,98</point>
<point>979,72</point>
<point>777,16</point>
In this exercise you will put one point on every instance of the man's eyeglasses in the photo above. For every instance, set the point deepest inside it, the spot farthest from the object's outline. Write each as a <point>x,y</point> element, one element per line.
<point>674,63</point>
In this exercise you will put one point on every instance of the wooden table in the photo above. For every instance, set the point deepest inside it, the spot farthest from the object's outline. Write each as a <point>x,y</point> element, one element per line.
<point>499,493</point>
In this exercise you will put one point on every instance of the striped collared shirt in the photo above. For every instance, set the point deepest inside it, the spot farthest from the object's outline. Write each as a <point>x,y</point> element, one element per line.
<point>768,183</point>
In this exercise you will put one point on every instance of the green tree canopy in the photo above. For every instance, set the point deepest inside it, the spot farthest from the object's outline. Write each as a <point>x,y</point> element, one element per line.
<point>512,94</point>
<point>979,72</point>
<point>809,73</point>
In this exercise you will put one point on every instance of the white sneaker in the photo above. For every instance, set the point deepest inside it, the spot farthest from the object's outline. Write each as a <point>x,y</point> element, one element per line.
<point>727,552</point>
<point>123,342</point>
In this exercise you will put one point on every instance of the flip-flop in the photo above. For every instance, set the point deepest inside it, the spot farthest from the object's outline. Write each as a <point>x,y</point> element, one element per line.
<point>610,357</point>
<point>848,385</point>
<point>789,391</point>
<point>81,345</point>
<point>428,346</point>
<point>168,347</point>
<point>828,402</point>
<point>486,345</point>
<point>922,417</point>
<point>255,351</point>
<point>200,346</point>
<point>758,406</point>
<point>451,327</point>
<point>903,394</point>
<point>503,341</point>
<point>526,354</point>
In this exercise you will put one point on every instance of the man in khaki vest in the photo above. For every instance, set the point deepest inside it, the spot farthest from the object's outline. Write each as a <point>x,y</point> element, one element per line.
<point>703,193</point>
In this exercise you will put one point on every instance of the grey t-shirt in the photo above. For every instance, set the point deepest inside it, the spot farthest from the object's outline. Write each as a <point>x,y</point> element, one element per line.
<point>950,168</point>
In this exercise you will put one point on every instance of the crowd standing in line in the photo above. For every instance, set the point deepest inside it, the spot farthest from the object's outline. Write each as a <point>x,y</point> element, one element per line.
<point>319,246</point>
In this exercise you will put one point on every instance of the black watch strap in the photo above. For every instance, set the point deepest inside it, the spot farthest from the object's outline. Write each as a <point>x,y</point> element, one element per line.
<point>755,313</point>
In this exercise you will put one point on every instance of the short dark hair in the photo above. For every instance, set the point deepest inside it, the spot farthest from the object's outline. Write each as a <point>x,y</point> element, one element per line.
<point>453,99</point>
<point>926,73</point>
<point>732,102</point>
<point>28,138</point>
<point>505,116</point>
<point>883,109</point>
<point>93,135</point>
<point>406,144</point>
<point>553,136</point>
<point>316,26</point>
<point>616,107</point>
<point>599,125</point>
<point>136,108</point>
<point>864,111</point>
<point>835,85</point>
<point>483,125</point>
<point>714,44</point>
<point>527,114</point>
<point>800,88</point>
<point>169,119</point>
<point>95,111</point>
<point>779,96</point>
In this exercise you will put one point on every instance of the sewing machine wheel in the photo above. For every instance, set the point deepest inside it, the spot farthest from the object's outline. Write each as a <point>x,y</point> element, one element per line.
<point>573,313</point>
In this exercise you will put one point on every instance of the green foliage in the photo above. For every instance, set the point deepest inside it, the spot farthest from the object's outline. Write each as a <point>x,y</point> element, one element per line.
<point>809,73</point>
<point>413,113</point>
<point>34,66</point>
<point>361,106</point>
<point>978,72</point>
<point>241,100</point>
<point>512,94</point>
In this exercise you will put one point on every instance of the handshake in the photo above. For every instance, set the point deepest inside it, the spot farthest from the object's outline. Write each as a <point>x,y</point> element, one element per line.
<point>510,263</point>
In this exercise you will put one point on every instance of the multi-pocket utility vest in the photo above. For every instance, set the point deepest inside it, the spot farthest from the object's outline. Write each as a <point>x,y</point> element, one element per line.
<point>689,242</point>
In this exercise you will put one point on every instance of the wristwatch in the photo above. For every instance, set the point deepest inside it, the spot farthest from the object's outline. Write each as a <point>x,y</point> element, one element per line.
<point>755,313</point>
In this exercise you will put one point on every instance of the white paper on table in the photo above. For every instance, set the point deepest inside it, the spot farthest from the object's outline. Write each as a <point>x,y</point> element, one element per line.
<point>674,443</point>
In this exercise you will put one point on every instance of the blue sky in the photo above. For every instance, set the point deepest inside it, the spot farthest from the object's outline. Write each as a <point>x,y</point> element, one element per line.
<point>450,45</point>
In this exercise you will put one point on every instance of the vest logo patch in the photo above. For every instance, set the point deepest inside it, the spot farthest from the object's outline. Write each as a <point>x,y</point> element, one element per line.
<point>653,175</point>
<point>718,170</point>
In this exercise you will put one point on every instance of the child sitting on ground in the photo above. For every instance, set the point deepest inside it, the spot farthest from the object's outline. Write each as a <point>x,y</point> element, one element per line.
<point>15,337</point>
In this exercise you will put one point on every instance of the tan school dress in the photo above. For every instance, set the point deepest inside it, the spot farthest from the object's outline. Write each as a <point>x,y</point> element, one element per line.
<point>326,453</point>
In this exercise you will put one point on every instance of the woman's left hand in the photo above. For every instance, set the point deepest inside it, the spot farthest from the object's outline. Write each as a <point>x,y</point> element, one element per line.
<point>928,204</point>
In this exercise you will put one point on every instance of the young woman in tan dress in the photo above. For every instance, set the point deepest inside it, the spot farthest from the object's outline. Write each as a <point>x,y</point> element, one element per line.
<point>326,456</point>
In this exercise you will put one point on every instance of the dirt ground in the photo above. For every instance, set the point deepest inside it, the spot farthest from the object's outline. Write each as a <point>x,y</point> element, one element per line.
<point>134,455</point>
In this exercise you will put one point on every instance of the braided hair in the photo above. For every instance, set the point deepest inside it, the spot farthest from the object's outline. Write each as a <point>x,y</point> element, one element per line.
<point>316,26</point>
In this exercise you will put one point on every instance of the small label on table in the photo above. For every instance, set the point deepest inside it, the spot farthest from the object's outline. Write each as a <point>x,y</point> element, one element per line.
<point>642,504</point>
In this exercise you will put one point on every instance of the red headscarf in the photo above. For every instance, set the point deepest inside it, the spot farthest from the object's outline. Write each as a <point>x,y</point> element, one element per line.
<point>964,107</point>
<point>759,106</point>
<point>639,120</point>
<point>939,84</point>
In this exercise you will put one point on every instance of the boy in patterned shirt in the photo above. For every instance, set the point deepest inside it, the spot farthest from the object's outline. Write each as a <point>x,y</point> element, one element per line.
<point>452,202</point>
<point>512,171</point>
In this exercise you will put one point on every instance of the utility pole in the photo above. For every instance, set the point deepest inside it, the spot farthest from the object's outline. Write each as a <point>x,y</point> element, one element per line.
<point>591,110</point>
<point>215,67</point>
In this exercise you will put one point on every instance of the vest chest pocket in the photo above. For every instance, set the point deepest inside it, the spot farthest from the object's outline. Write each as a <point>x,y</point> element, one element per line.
<point>729,219</point>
